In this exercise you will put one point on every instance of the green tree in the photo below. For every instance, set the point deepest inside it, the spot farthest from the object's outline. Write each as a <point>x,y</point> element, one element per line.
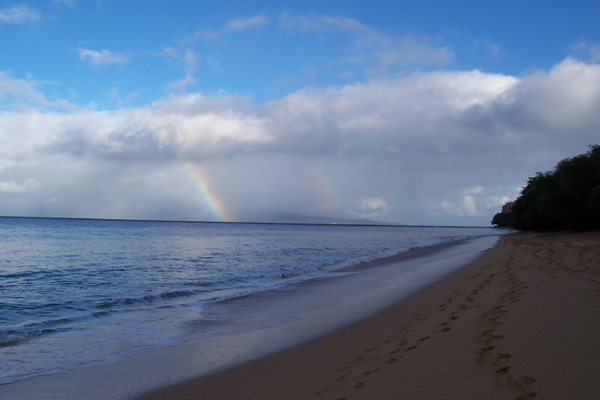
<point>568,197</point>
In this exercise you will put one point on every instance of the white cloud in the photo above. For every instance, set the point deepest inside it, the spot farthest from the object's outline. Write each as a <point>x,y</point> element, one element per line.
<point>494,203</point>
<point>436,113</point>
<point>586,51</point>
<point>115,96</point>
<point>241,24</point>
<point>465,204</point>
<point>473,190</point>
<point>102,58</point>
<point>25,89</point>
<point>181,84</point>
<point>371,207</point>
<point>435,147</point>
<point>19,14</point>
<point>314,22</point>
<point>188,59</point>
<point>383,51</point>
<point>465,207</point>
<point>235,25</point>
<point>408,114</point>
<point>472,202</point>
<point>24,94</point>
<point>494,50</point>
<point>15,188</point>
<point>554,103</point>
<point>196,126</point>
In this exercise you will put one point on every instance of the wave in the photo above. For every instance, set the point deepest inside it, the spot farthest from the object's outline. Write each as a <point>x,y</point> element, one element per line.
<point>30,274</point>
<point>235,283</point>
<point>12,337</point>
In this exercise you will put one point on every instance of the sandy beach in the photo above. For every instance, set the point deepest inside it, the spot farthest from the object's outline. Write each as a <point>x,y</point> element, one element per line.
<point>522,322</point>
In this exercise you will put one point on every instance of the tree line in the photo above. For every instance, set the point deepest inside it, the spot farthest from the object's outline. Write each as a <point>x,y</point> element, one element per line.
<point>566,198</point>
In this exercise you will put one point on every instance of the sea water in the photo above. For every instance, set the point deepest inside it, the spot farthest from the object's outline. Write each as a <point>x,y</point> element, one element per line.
<point>76,293</point>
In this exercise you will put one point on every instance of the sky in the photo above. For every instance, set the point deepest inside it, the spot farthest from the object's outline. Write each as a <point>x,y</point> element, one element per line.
<point>417,112</point>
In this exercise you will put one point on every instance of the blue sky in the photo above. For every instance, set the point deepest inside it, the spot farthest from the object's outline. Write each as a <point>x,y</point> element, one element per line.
<point>400,111</point>
<point>266,56</point>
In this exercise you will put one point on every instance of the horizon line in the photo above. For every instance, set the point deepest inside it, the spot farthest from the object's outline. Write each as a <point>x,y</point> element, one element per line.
<point>382,224</point>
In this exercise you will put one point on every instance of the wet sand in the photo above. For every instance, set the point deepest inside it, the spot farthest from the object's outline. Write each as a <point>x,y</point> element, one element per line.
<point>522,322</point>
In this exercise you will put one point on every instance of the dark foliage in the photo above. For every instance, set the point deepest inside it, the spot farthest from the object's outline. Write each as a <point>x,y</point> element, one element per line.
<point>502,219</point>
<point>566,198</point>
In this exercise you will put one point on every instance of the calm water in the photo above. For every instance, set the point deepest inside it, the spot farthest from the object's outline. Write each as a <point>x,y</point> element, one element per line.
<point>75,293</point>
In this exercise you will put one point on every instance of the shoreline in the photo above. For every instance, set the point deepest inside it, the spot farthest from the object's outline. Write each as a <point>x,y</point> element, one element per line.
<point>254,326</point>
<point>520,322</point>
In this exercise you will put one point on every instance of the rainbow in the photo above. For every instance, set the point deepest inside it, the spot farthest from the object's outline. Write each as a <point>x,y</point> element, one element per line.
<point>322,184</point>
<point>318,177</point>
<point>199,178</point>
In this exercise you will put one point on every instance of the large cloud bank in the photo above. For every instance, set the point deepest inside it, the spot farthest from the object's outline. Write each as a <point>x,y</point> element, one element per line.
<point>431,148</point>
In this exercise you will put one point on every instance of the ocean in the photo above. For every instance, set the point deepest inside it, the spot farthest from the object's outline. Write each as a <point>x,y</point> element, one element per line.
<point>76,293</point>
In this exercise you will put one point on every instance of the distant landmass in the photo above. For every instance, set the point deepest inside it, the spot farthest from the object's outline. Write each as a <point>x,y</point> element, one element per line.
<point>308,219</point>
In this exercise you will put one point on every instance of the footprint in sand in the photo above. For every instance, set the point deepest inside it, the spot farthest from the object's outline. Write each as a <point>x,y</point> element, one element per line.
<point>487,336</point>
<point>417,345</point>
<point>527,396</point>
<point>527,380</point>
<point>371,372</point>
<point>320,392</point>
<point>392,360</point>
<point>503,370</point>
<point>360,385</point>
<point>488,348</point>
